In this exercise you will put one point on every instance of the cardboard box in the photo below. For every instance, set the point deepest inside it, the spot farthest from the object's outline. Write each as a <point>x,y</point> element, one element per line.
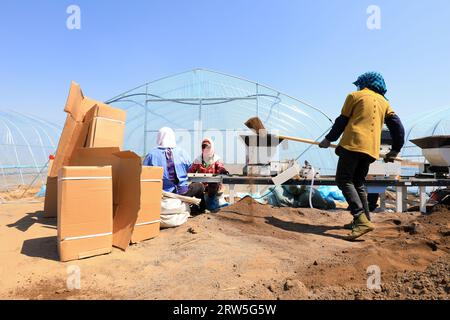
<point>104,125</point>
<point>84,212</point>
<point>99,157</point>
<point>149,216</point>
<point>137,193</point>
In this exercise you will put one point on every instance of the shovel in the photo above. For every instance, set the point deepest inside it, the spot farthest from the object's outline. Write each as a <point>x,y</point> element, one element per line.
<point>256,125</point>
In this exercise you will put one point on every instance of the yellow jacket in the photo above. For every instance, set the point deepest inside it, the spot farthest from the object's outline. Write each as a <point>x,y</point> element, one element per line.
<point>366,111</point>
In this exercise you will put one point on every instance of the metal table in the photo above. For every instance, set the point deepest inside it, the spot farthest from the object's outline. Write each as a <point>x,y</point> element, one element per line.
<point>400,185</point>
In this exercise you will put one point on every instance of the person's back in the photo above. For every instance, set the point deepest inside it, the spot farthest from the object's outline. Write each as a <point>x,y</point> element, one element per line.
<point>179,180</point>
<point>172,159</point>
<point>366,111</point>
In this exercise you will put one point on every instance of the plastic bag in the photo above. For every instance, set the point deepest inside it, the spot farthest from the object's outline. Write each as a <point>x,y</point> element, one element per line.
<point>174,213</point>
<point>41,192</point>
<point>331,192</point>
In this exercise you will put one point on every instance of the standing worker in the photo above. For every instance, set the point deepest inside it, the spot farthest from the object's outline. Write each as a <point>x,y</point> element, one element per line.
<point>361,122</point>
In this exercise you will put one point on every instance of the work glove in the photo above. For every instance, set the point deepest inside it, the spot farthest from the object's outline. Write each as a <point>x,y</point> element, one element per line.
<point>325,144</point>
<point>390,156</point>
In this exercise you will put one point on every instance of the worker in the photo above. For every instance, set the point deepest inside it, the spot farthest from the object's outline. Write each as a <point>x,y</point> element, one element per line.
<point>361,122</point>
<point>209,162</point>
<point>176,164</point>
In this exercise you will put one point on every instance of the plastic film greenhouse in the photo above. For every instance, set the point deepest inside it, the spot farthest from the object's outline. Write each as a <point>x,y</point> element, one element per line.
<point>202,103</point>
<point>434,123</point>
<point>26,143</point>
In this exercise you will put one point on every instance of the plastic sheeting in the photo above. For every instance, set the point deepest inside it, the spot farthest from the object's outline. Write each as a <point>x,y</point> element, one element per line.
<point>430,123</point>
<point>201,103</point>
<point>25,145</point>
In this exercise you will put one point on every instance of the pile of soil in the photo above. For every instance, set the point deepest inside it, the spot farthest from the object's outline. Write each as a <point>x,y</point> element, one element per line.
<point>408,245</point>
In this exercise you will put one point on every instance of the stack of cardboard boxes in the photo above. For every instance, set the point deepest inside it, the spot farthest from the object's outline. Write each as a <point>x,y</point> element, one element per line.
<point>101,196</point>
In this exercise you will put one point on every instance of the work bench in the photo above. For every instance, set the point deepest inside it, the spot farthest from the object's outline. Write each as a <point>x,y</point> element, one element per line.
<point>400,185</point>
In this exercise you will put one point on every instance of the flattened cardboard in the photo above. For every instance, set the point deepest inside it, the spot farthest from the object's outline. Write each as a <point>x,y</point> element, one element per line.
<point>51,198</point>
<point>148,222</point>
<point>129,195</point>
<point>73,102</point>
<point>76,107</point>
<point>84,212</point>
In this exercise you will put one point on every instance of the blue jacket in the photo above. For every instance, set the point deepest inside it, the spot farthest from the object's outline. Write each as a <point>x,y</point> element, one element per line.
<point>157,158</point>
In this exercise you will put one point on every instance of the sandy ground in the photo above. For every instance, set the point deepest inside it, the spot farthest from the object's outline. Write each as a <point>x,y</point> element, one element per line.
<point>247,251</point>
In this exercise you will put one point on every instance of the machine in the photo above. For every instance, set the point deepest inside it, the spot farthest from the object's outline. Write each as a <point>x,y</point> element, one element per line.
<point>436,150</point>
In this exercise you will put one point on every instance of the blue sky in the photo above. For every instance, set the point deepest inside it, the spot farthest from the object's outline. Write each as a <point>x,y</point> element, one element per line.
<point>312,50</point>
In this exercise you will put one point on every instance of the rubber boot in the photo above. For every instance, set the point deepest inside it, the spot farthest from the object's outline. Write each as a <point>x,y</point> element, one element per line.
<point>361,227</point>
<point>212,203</point>
<point>349,226</point>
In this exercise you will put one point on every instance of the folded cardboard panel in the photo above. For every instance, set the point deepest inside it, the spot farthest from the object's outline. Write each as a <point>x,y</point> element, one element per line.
<point>76,107</point>
<point>126,170</point>
<point>148,220</point>
<point>51,197</point>
<point>84,212</point>
<point>128,198</point>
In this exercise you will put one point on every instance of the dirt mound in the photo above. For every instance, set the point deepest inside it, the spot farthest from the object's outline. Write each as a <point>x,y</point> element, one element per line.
<point>251,217</point>
<point>431,284</point>
<point>404,244</point>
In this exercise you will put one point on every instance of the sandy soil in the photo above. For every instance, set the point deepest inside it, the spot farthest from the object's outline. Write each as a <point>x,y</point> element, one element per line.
<point>246,251</point>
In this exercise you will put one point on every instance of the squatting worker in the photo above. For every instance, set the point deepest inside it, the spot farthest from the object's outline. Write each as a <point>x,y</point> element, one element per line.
<point>176,164</point>
<point>209,162</point>
<point>361,122</point>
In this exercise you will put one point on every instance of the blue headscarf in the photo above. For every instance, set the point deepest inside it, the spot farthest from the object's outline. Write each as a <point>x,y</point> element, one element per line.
<point>373,81</point>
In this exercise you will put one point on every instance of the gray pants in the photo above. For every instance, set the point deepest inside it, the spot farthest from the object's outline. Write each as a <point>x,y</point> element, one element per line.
<point>351,173</point>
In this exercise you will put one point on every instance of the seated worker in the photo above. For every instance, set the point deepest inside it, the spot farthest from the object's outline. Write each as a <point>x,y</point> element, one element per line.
<point>361,121</point>
<point>175,163</point>
<point>209,162</point>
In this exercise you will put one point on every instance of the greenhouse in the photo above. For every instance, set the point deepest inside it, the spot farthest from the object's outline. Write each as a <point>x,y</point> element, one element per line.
<point>435,123</point>
<point>26,143</point>
<point>201,103</point>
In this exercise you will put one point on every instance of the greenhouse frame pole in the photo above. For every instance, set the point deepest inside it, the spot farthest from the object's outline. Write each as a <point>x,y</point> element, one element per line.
<point>145,121</point>
<point>257,104</point>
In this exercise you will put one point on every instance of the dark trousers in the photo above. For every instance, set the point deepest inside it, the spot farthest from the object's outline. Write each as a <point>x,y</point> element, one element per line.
<point>213,189</point>
<point>351,173</point>
<point>197,190</point>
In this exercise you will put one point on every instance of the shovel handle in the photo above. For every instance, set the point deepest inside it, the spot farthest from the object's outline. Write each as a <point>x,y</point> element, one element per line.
<point>304,140</point>
<point>317,143</point>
